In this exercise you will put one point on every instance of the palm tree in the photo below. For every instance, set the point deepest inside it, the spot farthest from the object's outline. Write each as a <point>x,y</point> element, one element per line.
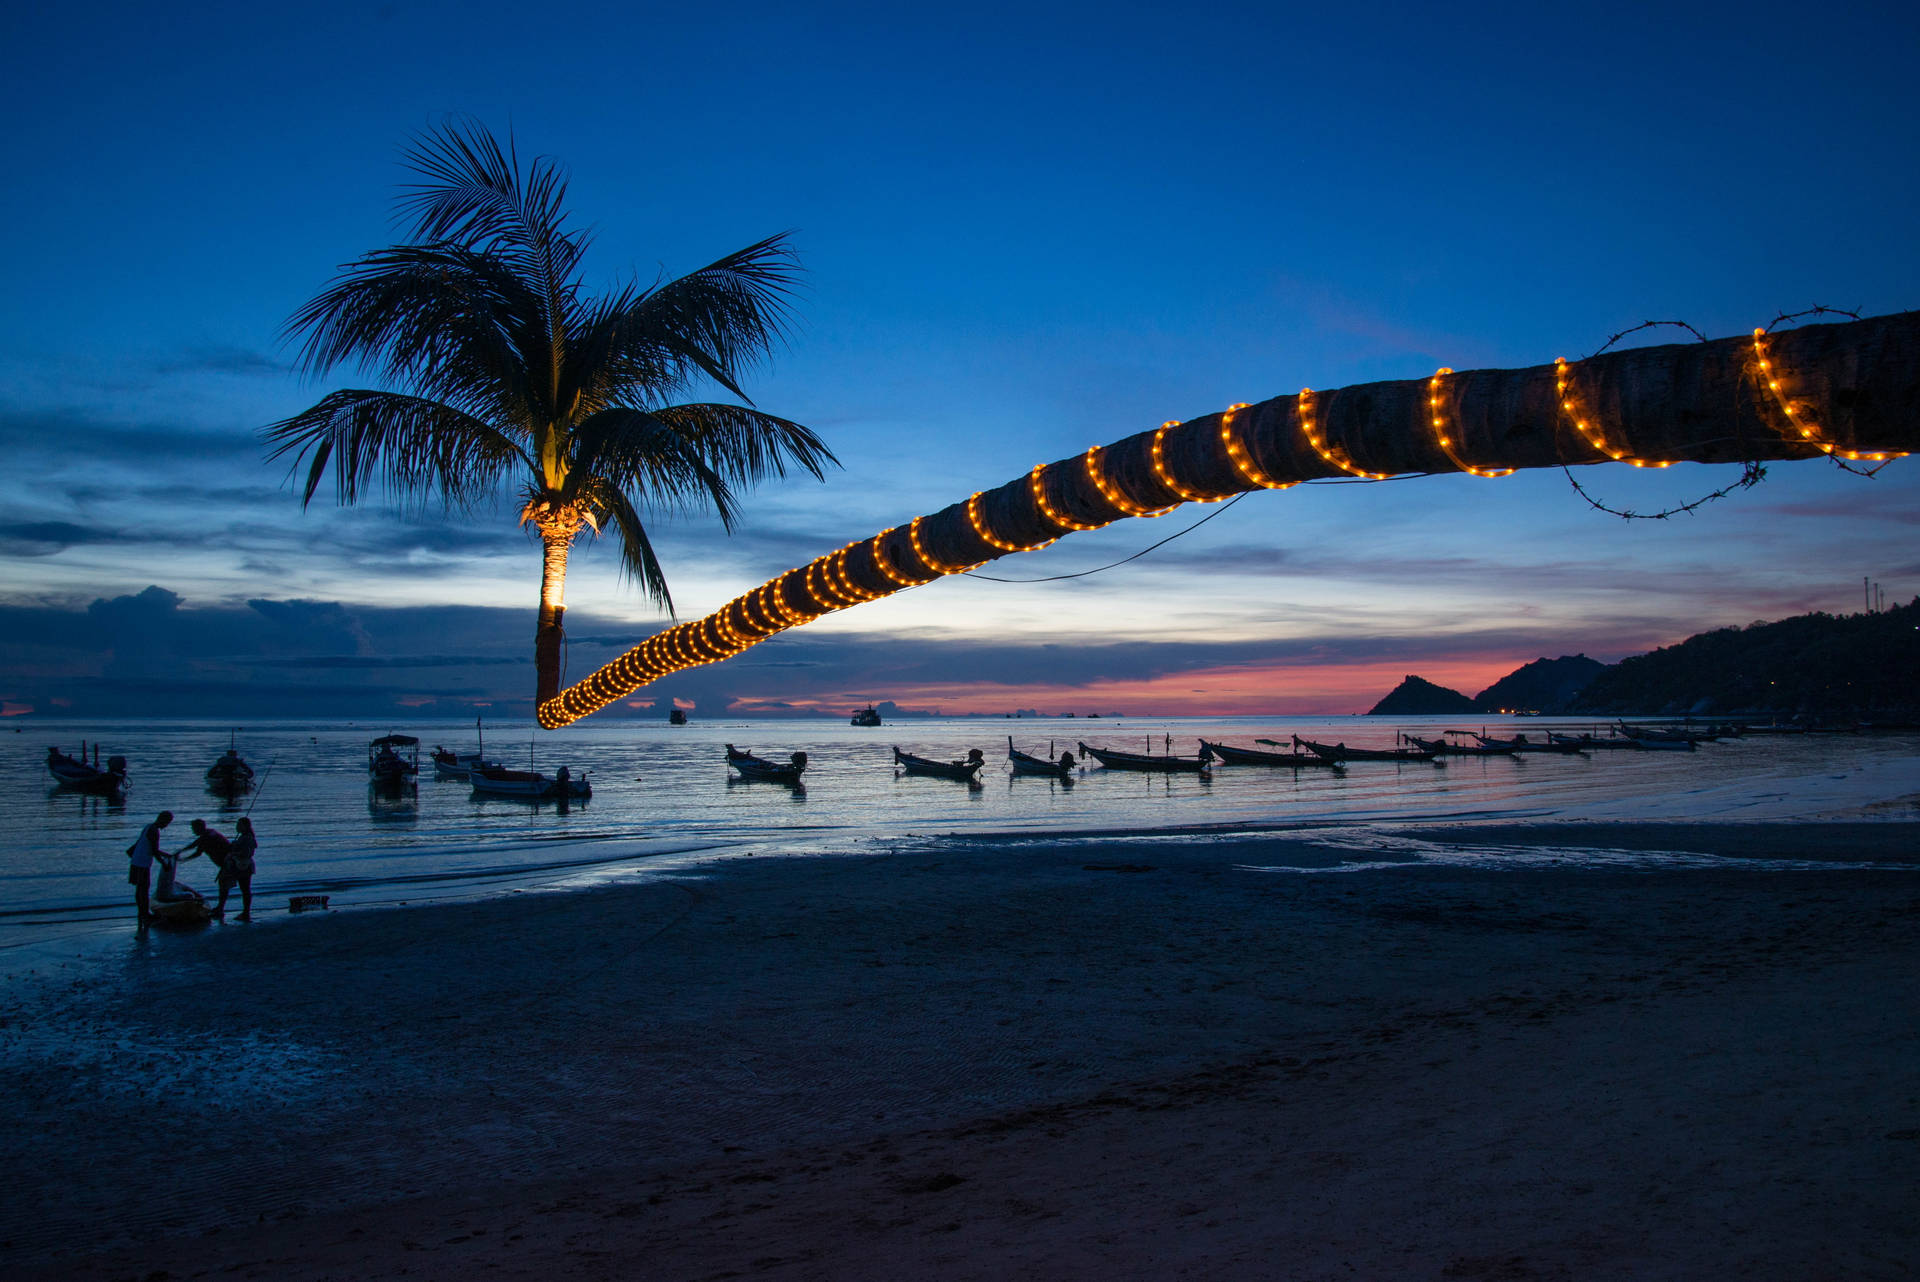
<point>502,366</point>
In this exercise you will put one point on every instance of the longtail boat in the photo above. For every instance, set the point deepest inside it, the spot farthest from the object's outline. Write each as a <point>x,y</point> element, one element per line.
<point>1341,752</point>
<point>1448,748</point>
<point>78,776</point>
<point>1025,763</point>
<point>1520,743</point>
<point>1591,741</point>
<point>752,767</point>
<point>964,771</point>
<point>1255,757</point>
<point>229,776</point>
<point>1671,740</point>
<point>528,785</point>
<point>1113,759</point>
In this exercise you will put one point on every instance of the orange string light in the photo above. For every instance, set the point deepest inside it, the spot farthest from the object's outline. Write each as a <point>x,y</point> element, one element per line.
<point>1796,416</point>
<point>1331,453</point>
<point>1097,474</point>
<point>1241,457</point>
<point>1037,486</point>
<point>1156,455</point>
<point>1436,414</point>
<point>920,550</point>
<point>978,520</point>
<point>886,566</point>
<point>1570,405</point>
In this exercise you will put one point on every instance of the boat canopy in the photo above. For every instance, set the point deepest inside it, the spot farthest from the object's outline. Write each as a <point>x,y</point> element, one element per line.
<point>395,741</point>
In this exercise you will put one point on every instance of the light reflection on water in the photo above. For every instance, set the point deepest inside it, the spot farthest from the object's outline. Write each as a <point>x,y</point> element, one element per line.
<point>661,789</point>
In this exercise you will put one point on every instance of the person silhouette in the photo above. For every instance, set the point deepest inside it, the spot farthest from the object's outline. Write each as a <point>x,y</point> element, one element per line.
<point>140,857</point>
<point>239,870</point>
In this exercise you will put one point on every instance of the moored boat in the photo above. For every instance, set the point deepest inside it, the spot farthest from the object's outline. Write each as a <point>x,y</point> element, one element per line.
<point>1520,743</point>
<point>1256,757</point>
<point>964,771</point>
<point>528,785</point>
<point>1590,742</point>
<point>1025,763</point>
<point>76,775</point>
<point>448,764</point>
<point>1341,752</point>
<point>1451,748</point>
<point>867,716</point>
<point>1113,759</point>
<point>1667,739</point>
<point>230,775</point>
<point>752,767</point>
<point>393,760</point>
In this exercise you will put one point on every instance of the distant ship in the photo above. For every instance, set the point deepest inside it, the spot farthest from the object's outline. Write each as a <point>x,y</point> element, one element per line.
<point>867,716</point>
<point>676,718</point>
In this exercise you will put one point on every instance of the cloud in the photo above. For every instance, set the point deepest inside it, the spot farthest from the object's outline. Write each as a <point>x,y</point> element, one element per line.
<point>45,538</point>
<point>223,360</point>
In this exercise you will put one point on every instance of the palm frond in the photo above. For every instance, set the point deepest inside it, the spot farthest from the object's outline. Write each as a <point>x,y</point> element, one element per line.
<point>478,195</point>
<point>637,559</point>
<point>411,446</point>
<point>745,445</point>
<point>717,321</point>
<point>634,451</point>
<point>445,322</point>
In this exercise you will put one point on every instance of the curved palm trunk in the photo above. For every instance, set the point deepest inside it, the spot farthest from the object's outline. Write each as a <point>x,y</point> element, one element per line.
<point>1848,390</point>
<point>556,540</point>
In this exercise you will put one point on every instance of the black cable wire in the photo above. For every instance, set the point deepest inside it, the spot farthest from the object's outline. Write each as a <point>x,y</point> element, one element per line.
<point>1051,578</point>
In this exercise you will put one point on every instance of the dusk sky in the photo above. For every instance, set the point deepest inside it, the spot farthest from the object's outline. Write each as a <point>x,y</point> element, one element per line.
<point>1026,230</point>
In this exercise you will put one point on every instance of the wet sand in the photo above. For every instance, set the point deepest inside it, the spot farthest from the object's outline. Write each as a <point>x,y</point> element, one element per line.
<point>1253,1056</point>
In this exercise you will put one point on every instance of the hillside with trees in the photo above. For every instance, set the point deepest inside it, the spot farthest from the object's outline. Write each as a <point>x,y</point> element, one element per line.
<point>1863,666</point>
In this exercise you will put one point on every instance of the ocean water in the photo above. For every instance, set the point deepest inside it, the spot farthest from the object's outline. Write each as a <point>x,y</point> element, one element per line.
<point>663,794</point>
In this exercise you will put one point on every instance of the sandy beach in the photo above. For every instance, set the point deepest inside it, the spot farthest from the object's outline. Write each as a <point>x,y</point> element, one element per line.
<point>1283,1055</point>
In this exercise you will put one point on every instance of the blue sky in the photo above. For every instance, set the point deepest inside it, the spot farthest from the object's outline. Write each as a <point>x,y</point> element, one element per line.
<point>1027,229</point>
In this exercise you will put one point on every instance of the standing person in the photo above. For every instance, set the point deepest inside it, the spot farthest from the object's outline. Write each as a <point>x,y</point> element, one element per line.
<point>141,855</point>
<point>239,870</point>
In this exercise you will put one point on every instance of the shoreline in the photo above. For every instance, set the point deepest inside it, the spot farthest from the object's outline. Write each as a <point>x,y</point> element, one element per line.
<point>1080,1063</point>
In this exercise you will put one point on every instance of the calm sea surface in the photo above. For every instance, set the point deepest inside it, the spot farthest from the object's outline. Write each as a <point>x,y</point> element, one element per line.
<point>663,792</point>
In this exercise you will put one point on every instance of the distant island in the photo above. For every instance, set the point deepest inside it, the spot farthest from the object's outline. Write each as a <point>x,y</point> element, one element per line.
<point>1815,666</point>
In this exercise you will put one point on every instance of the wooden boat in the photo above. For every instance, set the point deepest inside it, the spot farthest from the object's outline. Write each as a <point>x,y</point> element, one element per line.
<point>1025,763</point>
<point>964,771</point>
<point>1667,740</point>
<point>677,717</point>
<point>867,716</point>
<point>448,764</point>
<point>1451,748</point>
<point>1589,742</point>
<point>393,760</point>
<point>229,774</point>
<point>1341,752</point>
<point>1255,757</point>
<point>1113,759</point>
<point>1659,743</point>
<point>1520,743</point>
<point>75,775</point>
<point>752,767</point>
<point>528,785</point>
